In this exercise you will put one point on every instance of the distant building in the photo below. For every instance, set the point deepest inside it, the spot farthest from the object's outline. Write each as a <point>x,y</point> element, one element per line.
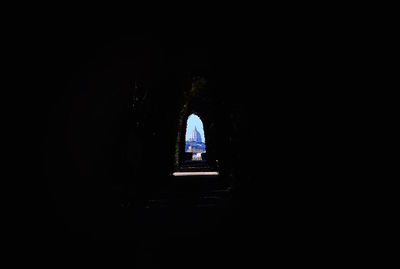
<point>195,143</point>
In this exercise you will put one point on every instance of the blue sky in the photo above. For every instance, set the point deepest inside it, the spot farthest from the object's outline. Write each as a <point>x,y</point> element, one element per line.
<point>192,121</point>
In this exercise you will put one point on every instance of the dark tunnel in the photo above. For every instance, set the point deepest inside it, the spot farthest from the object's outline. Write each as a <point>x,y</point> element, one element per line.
<point>113,111</point>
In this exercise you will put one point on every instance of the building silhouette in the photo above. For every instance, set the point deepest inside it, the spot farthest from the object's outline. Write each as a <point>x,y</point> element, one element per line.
<point>195,143</point>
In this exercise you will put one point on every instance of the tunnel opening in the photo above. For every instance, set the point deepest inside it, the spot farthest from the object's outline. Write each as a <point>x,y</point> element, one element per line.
<point>195,148</point>
<point>195,145</point>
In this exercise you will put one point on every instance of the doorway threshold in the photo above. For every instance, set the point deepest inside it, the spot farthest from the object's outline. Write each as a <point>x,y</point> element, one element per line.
<point>199,173</point>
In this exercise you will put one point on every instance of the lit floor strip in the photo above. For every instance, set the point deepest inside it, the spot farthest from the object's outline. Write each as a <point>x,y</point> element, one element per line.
<point>182,174</point>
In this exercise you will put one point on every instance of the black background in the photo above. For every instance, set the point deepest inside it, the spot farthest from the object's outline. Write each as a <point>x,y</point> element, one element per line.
<point>282,82</point>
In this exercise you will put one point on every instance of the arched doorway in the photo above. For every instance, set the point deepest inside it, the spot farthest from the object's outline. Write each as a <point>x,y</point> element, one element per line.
<point>195,144</point>
<point>194,161</point>
<point>195,149</point>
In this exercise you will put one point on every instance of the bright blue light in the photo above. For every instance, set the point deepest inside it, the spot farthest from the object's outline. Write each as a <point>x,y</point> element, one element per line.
<point>193,121</point>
